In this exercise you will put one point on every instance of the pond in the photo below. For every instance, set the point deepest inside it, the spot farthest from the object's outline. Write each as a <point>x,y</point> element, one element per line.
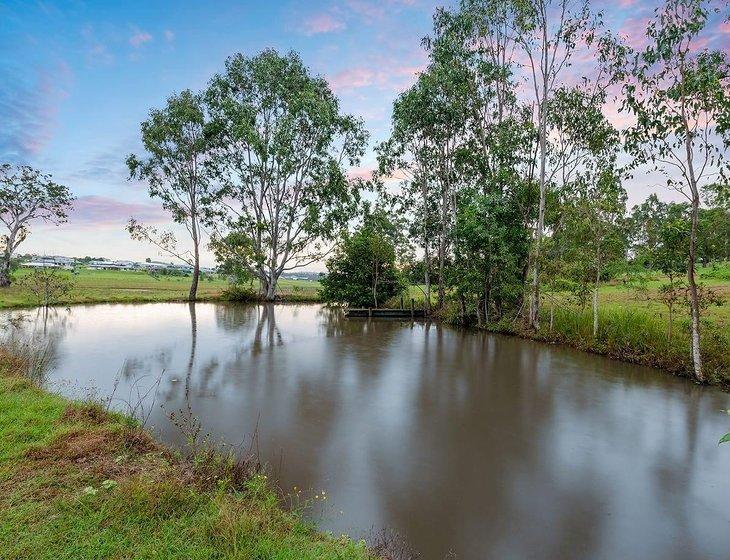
<point>469,444</point>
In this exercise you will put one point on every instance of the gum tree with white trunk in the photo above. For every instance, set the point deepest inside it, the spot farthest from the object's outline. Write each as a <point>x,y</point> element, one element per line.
<point>280,153</point>
<point>679,94</point>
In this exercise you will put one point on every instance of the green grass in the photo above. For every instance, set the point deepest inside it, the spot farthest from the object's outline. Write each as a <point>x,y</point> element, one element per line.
<point>55,457</point>
<point>96,286</point>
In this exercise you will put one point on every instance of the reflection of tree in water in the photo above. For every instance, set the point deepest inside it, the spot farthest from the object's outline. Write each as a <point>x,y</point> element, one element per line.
<point>232,317</point>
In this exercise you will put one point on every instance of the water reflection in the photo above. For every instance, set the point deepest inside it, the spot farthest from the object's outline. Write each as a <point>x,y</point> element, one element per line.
<point>486,446</point>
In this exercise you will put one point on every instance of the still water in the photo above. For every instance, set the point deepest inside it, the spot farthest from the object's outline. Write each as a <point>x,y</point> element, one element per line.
<point>465,443</point>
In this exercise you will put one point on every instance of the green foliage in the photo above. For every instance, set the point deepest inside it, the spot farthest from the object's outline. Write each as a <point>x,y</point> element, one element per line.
<point>363,272</point>
<point>280,148</point>
<point>176,143</point>
<point>26,196</point>
<point>48,285</point>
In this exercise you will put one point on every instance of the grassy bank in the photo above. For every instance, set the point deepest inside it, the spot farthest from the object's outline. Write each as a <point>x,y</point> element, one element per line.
<point>633,326</point>
<point>77,482</point>
<point>118,286</point>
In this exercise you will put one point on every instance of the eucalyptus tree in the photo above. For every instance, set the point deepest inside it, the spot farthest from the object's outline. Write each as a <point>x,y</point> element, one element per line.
<point>281,144</point>
<point>679,94</point>
<point>597,230</point>
<point>26,196</point>
<point>427,131</point>
<point>176,146</point>
<point>496,157</point>
<point>410,154</point>
<point>549,32</point>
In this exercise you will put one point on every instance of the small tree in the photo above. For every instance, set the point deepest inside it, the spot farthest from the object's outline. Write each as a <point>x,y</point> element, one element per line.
<point>47,285</point>
<point>27,195</point>
<point>671,294</point>
<point>363,271</point>
<point>174,138</point>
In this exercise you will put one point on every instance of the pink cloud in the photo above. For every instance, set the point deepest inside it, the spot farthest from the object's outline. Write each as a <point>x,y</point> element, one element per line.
<point>725,27</point>
<point>31,108</point>
<point>139,39</point>
<point>102,211</point>
<point>365,173</point>
<point>394,78</point>
<point>322,23</point>
<point>626,3</point>
<point>367,9</point>
<point>634,31</point>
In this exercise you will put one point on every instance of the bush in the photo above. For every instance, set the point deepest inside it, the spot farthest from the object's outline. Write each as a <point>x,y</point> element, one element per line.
<point>240,293</point>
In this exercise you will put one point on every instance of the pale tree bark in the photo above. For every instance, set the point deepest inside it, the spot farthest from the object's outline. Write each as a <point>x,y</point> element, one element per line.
<point>692,258</point>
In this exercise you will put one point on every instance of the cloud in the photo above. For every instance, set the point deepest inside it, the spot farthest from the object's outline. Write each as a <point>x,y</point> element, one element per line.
<point>29,110</point>
<point>96,51</point>
<point>139,38</point>
<point>322,23</point>
<point>393,78</point>
<point>369,10</point>
<point>634,31</point>
<point>169,36</point>
<point>101,211</point>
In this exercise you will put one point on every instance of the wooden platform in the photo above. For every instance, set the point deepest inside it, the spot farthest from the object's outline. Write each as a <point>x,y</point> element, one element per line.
<point>385,313</point>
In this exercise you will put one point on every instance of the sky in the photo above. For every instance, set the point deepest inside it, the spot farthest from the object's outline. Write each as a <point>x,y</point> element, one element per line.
<point>78,77</point>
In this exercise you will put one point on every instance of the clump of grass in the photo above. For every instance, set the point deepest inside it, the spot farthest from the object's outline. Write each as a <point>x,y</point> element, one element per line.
<point>25,357</point>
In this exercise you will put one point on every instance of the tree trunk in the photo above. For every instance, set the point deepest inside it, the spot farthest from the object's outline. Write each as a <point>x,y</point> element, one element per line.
<point>595,309</point>
<point>535,299</point>
<point>270,287</point>
<point>196,251</point>
<point>671,320</point>
<point>427,279</point>
<point>6,258</point>
<point>5,272</point>
<point>694,299</point>
<point>442,245</point>
<point>196,275</point>
<point>595,298</point>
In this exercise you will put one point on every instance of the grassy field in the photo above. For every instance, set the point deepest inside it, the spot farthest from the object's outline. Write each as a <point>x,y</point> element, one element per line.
<point>617,295</point>
<point>77,483</point>
<point>91,286</point>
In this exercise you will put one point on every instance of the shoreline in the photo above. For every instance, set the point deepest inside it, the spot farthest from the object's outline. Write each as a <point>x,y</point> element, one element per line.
<point>78,481</point>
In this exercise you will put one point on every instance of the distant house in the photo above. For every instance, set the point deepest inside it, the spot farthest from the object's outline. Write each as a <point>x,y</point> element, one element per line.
<point>65,263</point>
<point>112,265</point>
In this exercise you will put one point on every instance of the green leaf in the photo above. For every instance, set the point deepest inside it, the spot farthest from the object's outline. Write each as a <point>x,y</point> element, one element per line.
<point>725,438</point>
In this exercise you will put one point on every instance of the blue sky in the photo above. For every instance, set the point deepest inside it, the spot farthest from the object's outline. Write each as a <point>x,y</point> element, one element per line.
<point>78,78</point>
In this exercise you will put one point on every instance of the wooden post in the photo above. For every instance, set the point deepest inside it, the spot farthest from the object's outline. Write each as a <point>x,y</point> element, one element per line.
<point>413,302</point>
<point>370,312</point>
<point>401,302</point>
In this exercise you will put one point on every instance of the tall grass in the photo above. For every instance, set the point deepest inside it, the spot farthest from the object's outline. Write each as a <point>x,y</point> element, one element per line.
<point>25,357</point>
<point>628,334</point>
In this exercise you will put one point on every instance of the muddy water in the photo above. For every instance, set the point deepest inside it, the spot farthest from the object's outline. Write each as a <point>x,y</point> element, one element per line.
<point>465,443</point>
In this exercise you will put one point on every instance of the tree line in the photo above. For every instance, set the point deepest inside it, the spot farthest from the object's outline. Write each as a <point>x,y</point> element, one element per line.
<point>512,174</point>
